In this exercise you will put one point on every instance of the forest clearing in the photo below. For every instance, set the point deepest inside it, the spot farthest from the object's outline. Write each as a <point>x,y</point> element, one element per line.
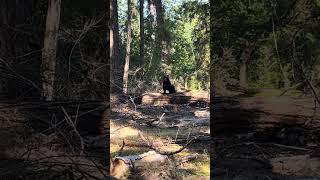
<point>164,128</point>
<point>160,120</point>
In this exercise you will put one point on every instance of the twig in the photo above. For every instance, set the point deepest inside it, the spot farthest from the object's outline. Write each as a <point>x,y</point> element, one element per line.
<point>175,139</point>
<point>118,129</point>
<point>190,131</point>
<point>188,158</point>
<point>161,117</point>
<point>68,119</point>
<point>121,149</point>
<point>132,100</point>
<point>288,89</point>
<point>167,153</point>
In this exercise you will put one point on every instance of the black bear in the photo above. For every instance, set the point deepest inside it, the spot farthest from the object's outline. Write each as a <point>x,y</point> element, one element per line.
<point>166,84</point>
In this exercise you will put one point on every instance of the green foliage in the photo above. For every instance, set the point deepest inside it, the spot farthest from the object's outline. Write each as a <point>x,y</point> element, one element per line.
<point>186,33</point>
<point>190,45</point>
<point>284,35</point>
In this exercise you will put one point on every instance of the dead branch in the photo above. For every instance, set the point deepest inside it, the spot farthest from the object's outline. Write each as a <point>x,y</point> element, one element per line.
<point>123,126</point>
<point>72,124</point>
<point>121,149</point>
<point>290,88</point>
<point>188,158</point>
<point>149,123</point>
<point>166,153</point>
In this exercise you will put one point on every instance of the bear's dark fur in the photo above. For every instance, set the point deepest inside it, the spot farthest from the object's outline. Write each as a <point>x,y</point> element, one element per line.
<point>167,86</point>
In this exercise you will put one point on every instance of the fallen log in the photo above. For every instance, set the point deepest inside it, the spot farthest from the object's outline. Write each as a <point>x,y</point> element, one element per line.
<point>178,98</point>
<point>119,166</point>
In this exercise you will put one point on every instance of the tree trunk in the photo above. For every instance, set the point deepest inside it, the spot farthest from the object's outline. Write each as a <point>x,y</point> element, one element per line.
<point>153,13</point>
<point>49,51</point>
<point>152,18</point>
<point>160,36</point>
<point>243,75</point>
<point>245,57</point>
<point>141,32</point>
<point>127,60</point>
<point>115,78</point>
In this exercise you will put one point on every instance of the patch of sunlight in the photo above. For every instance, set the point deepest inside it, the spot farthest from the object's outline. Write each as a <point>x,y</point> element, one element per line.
<point>114,148</point>
<point>269,93</point>
<point>122,132</point>
<point>134,151</point>
<point>200,167</point>
<point>277,92</point>
<point>183,153</point>
<point>295,93</point>
<point>204,169</point>
<point>164,133</point>
<point>157,102</point>
<point>170,148</point>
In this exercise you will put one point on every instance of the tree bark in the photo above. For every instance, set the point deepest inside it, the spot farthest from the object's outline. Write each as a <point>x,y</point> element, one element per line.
<point>49,51</point>
<point>243,75</point>
<point>141,31</point>
<point>128,48</point>
<point>245,57</point>
<point>153,13</point>
<point>152,18</point>
<point>115,77</point>
<point>160,36</point>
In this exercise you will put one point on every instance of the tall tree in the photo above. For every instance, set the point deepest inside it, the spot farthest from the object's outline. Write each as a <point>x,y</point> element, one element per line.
<point>157,36</point>
<point>141,8</point>
<point>128,48</point>
<point>160,31</point>
<point>152,18</point>
<point>49,51</point>
<point>115,78</point>
<point>244,59</point>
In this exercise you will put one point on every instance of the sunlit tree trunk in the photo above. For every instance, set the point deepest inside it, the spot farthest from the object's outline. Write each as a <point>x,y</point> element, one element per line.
<point>128,48</point>
<point>152,18</point>
<point>141,31</point>
<point>115,76</point>
<point>153,13</point>
<point>49,51</point>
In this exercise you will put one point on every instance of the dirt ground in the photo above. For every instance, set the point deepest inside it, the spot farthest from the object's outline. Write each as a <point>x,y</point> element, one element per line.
<point>266,136</point>
<point>170,126</point>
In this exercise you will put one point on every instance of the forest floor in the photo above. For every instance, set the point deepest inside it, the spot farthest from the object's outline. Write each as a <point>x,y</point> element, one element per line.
<point>52,140</point>
<point>266,135</point>
<point>170,127</point>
